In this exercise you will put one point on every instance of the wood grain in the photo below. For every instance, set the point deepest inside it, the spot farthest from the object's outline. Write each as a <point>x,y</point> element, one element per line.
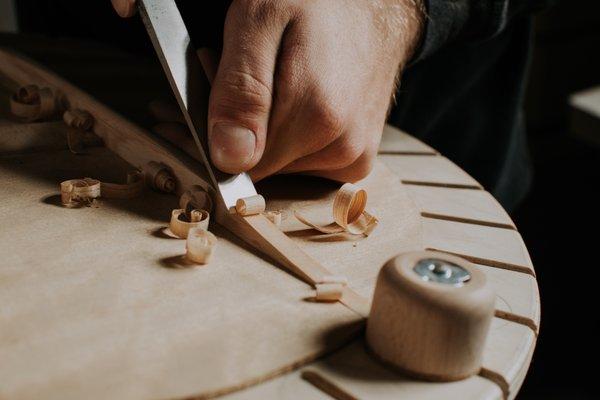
<point>471,206</point>
<point>429,170</point>
<point>500,248</point>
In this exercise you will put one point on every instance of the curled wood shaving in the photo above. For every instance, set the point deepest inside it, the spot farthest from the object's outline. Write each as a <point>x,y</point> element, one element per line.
<point>79,192</point>
<point>180,227</point>
<point>250,205</point>
<point>348,213</point>
<point>32,103</point>
<point>199,245</point>
<point>330,288</point>
<point>80,119</point>
<point>195,199</point>
<point>78,122</point>
<point>132,188</point>
<point>159,177</point>
<point>274,216</point>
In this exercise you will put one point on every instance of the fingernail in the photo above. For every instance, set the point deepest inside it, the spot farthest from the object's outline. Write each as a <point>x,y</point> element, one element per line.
<point>231,147</point>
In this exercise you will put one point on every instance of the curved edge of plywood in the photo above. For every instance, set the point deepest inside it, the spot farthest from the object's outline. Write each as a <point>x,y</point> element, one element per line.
<point>459,217</point>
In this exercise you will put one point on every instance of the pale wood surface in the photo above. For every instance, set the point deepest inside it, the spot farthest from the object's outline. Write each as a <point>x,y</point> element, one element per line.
<point>93,294</point>
<point>126,325</point>
<point>428,170</point>
<point>517,295</point>
<point>353,369</point>
<point>502,248</point>
<point>393,143</point>
<point>472,206</point>
<point>507,353</point>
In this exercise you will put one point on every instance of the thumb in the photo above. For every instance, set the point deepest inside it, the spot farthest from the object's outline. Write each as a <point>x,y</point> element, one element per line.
<point>241,95</point>
<point>125,8</point>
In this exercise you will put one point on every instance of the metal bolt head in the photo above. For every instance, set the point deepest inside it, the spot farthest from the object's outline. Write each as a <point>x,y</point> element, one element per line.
<point>441,271</point>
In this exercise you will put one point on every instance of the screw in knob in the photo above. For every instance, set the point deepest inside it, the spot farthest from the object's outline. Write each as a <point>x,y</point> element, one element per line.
<point>430,316</point>
<point>441,271</point>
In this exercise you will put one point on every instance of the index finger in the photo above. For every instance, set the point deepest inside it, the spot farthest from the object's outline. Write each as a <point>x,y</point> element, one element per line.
<point>125,8</point>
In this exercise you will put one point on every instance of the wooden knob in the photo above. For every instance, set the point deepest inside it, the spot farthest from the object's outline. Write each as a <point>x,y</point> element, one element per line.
<point>430,316</point>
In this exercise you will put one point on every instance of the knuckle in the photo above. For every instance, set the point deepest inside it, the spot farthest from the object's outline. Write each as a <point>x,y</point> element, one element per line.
<point>260,12</point>
<point>360,169</point>
<point>348,152</point>
<point>243,92</point>
<point>328,119</point>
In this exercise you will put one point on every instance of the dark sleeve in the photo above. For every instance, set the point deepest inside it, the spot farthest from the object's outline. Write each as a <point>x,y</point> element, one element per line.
<point>448,21</point>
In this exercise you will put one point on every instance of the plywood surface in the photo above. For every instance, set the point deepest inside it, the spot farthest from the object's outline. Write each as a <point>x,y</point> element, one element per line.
<point>472,206</point>
<point>428,170</point>
<point>99,281</point>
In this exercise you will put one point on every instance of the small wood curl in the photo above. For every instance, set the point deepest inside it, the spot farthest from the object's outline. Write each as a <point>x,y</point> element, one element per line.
<point>180,228</point>
<point>78,123</point>
<point>32,103</point>
<point>330,288</point>
<point>199,245</point>
<point>79,119</point>
<point>250,205</point>
<point>159,177</point>
<point>79,192</point>
<point>348,213</point>
<point>274,216</point>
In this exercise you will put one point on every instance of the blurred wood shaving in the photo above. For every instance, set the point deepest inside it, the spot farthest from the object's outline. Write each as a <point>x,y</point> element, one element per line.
<point>159,177</point>
<point>79,192</point>
<point>250,205</point>
<point>31,103</point>
<point>78,123</point>
<point>195,199</point>
<point>274,216</point>
<point>84,192</point>
<point>330,288</point>
<point>348,213</point>
<point>199,245</point>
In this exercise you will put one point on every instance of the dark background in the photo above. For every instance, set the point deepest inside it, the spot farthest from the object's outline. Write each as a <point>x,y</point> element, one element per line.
<point>560,216</point>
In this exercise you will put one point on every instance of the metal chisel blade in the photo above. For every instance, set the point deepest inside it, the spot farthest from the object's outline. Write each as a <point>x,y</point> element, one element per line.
<point>188,81</point>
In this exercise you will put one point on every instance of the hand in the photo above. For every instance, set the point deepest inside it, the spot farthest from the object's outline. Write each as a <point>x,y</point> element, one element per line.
<point>304,86</point>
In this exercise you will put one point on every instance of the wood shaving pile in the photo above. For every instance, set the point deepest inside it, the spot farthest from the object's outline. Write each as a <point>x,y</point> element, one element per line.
<point>31,103</point>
